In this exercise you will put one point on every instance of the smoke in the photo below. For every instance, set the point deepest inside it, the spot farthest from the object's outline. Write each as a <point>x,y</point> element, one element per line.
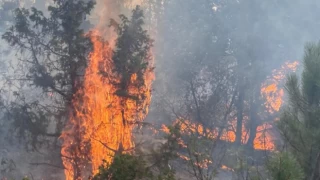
<point>105,10</point>
<point>271,32</point>
<point>195,32</point>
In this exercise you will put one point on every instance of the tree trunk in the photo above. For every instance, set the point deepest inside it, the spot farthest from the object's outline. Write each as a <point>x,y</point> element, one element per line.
<point>254,119</point>
<point>239,106</point>
<point>252,133</point>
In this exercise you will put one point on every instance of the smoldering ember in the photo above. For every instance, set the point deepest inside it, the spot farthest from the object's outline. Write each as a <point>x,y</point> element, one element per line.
<point>159,90</point>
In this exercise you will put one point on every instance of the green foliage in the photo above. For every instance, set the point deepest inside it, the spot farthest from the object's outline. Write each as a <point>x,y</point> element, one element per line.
<point>124,167</point>
<point>283,166</point>
<point>132,55</point>
<point>52,53</point>
<point>172,145</point>
<point>56,44</point>
<point>131,167</point>
<point>167,153</point>
<point>299,122</point>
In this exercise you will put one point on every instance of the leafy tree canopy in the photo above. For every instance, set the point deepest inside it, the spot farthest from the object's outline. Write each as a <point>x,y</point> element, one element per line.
<point>52,54</point>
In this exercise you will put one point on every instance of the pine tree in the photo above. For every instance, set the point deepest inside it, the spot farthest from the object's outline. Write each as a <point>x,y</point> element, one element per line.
<point>299,122</point>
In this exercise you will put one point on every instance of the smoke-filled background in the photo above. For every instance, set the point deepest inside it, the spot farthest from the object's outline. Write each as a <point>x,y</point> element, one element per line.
<point>212,59</point>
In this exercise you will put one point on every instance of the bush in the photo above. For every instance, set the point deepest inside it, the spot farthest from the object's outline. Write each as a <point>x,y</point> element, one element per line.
<point>284,166</point>
<point>124,167</point>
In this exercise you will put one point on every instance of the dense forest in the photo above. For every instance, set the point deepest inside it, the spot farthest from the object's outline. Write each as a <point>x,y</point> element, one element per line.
<point>159,90</point>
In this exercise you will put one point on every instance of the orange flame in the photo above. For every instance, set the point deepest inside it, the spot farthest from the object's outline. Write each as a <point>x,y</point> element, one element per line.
<point>271,89</point>
<point>101,122</point>
<point>224,167</point>
<point>263,141</point>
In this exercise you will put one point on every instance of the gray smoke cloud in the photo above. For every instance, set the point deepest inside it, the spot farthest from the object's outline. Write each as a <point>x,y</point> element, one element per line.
<point>272,31</point>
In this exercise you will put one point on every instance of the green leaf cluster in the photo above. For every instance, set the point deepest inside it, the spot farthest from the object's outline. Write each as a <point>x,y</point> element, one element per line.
<point>132,54</point>
<point>52,53</point>
<point>124,167</point>
<point>299,122</point>
<point>283,166</point>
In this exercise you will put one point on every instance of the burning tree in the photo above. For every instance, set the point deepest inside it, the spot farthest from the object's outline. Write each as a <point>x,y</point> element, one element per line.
<point>52,53</point>
<point>87,92</point>
<point>114,99</point>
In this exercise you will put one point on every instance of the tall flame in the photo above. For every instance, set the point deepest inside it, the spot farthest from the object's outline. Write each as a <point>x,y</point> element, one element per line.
<point>101,122</point>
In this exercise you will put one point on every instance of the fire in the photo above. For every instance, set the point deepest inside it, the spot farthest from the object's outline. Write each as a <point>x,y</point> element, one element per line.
<point>271,89</point>
<point>224,167</point>
<point>263,141</point>
<point>273,93</point>
<point>101,120</point>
